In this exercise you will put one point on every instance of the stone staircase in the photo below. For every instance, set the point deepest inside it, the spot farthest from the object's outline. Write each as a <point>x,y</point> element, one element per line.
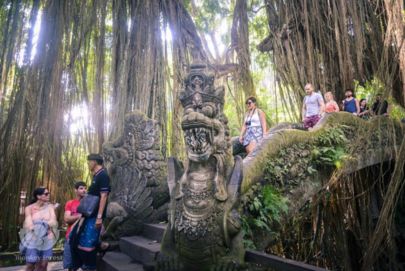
<point>136,253</point>
<point>139,252</point>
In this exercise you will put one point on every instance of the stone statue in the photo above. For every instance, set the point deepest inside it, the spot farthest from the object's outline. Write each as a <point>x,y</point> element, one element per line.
<point>203,232</point>
<point>138,177</point>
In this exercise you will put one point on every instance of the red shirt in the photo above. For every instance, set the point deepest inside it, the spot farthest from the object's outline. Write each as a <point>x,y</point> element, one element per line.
<point>331,107</point>
<point>71,206</point>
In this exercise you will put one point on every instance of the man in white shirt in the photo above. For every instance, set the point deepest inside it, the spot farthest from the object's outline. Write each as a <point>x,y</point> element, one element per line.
<point>312,108</point>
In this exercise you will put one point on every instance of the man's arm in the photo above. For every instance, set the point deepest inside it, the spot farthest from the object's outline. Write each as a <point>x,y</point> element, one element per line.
<point>69,218</point>
<point>304,110</point>
<point>321,105</point>
<point>103,202</point>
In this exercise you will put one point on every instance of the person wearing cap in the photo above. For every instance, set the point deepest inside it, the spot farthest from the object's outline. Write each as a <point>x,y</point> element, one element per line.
<point>89,237</point>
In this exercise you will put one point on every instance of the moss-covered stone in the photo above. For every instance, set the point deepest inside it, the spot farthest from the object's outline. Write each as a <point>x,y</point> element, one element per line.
<point>297,164</point>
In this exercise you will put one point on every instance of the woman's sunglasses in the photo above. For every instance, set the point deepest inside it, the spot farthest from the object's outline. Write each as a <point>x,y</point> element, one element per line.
<point>46,194</point>
<point>248,103</point>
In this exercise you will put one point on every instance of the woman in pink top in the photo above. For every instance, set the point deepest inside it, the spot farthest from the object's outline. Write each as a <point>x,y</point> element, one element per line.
<point>331,105</point>
<point>39,233</point>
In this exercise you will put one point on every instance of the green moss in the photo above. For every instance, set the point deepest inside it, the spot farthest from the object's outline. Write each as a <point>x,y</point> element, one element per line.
<point>354,128</point>
<point>291,169</point>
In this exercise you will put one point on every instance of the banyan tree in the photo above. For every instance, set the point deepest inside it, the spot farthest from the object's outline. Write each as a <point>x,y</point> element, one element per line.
<point>64,62</point>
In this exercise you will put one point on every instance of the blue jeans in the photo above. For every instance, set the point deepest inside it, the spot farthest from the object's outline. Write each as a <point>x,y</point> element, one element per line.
<point>67,256</point>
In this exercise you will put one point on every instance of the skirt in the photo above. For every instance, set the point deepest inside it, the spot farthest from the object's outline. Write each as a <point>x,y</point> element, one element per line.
<point>252,133</point>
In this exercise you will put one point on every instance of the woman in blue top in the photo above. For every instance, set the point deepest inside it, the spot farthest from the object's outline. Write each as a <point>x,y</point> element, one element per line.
<point>350,104</point>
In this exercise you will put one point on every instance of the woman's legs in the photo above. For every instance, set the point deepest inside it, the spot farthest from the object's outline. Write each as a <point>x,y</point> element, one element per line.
<point>30,267</point>
<point>251,146</point>
<point>42,265</point>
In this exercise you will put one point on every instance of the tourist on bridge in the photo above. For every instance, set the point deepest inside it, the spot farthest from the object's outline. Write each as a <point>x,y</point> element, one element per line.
<point>312,107</point>
<point>331,105</point>
<point>254,126</point>
<point>380,106</point>
<point>39,233</point>
<point>351,104</point>
<point>364,111</point>
<point>71,216</point>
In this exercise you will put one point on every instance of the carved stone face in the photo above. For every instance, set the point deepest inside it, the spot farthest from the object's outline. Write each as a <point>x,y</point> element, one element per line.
<point>198,134</point>
<point>202,104</point>
<point>199,147</point>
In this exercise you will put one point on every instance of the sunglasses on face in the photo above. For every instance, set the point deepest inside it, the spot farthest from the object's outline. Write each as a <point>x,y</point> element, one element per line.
<point>248,103</point>
<point>46,194</point>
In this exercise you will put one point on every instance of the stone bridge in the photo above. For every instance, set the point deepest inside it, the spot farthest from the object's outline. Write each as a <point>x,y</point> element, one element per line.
<point>298,164</point>
<point>294,151</point>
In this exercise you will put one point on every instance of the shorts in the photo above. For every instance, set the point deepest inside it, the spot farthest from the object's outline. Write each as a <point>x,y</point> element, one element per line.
<point>253,133</point>
<point>311,121</point>
<point>33,255</point>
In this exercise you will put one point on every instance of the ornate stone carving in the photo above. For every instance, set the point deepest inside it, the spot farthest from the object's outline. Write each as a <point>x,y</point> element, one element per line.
<point>138,172</point>
<point>204,230</point>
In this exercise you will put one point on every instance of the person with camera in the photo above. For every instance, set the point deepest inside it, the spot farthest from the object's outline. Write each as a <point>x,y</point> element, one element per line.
<point>39,233</point>
<point>254,126</point>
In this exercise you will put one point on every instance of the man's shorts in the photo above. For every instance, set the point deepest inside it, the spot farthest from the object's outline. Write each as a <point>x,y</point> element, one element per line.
<point>311,121</point>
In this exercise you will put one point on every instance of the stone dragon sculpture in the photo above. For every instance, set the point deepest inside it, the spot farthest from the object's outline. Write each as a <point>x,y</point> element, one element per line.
<point>203,232</point>
<point>138,177</point>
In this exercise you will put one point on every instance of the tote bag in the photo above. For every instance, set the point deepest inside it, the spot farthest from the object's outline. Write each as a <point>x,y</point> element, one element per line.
<point>88,205</point>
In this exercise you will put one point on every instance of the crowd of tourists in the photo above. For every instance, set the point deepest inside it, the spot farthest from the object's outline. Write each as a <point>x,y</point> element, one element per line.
<point>84,216</point>
<point>314,107</point>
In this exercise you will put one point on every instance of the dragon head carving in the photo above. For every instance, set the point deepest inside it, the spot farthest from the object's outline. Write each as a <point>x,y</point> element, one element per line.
<point>204,124</point>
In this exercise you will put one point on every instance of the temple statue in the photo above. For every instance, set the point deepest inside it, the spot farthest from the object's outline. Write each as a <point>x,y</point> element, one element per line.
<point>204,228</point>
<point>137,169</point>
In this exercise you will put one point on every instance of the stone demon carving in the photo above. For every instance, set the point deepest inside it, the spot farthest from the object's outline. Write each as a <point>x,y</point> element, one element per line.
<point>203,232</point>
<point>138,177</point>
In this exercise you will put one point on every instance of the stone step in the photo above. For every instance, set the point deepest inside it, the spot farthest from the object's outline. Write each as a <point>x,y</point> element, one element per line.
<point>118,261</point>
<point>140,249</point>
<point>154,231</point>
<point>277,263</point>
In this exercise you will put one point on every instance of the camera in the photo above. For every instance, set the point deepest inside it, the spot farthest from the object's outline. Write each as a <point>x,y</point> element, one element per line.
<point>247,123</point>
